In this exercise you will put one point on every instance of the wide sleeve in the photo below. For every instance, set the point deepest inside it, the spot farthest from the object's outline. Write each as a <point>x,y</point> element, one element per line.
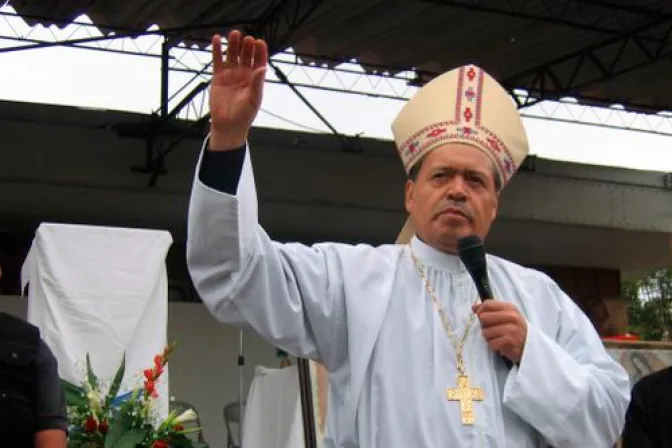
<point>291,294</point>
<point>567,386</point>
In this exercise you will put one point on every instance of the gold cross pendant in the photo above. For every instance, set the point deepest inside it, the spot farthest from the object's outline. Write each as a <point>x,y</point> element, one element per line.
<point>466,395</point>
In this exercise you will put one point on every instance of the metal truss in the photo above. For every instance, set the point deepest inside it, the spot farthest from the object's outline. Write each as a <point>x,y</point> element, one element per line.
<point>589,15</point>
<point>183,108</point>
<point>628,38</point>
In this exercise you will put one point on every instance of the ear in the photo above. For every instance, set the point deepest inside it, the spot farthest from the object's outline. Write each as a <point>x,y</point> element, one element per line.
<point>495,206</point>
<point>410,187</point>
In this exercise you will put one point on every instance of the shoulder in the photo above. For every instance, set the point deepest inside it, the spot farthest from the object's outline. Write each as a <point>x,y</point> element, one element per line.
<point>655,381</point>
<point>10,320</point>
<point>17,332</point>
<point>534,290</point>
<point>519,273</point>
<point>357,252</point>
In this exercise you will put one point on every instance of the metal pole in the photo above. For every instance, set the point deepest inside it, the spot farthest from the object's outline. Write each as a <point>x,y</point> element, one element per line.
<point>241,410</point>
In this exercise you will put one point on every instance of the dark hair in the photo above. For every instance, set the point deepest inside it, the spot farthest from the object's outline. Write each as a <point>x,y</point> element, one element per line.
<point>415,170</point>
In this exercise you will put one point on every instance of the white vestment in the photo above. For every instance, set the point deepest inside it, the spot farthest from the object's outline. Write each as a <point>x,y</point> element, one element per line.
<point>364,313</point>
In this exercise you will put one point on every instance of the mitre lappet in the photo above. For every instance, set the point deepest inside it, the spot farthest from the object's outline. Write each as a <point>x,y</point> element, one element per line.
<point>465,105</point>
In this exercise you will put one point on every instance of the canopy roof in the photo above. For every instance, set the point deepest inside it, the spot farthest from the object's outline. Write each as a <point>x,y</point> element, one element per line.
<point>601,52</point>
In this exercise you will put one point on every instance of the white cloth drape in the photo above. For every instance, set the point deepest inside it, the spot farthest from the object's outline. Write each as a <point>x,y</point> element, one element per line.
<point>273,412</point>
<point>102,291</point>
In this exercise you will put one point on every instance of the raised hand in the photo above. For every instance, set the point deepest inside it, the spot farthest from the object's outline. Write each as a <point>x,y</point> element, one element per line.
<point>236,89</point>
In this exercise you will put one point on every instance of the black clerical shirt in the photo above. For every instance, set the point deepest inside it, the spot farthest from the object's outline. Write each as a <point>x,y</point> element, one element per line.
<point>648,422</point>
<point>221,170</point>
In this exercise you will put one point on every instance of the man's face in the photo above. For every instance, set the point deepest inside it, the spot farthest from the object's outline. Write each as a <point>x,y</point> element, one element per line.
<point>453,196</point>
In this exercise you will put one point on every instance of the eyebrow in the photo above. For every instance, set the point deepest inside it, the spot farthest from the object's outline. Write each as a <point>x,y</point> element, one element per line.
<point>471,171</point>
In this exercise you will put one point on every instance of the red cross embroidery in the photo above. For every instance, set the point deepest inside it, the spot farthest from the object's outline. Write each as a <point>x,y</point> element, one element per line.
<point>468,115</point>
<point>494,144</point>
<point>471,73</point>
<point>465,130</point>
<point>413,147</point>
<point>470,94</point>
<point>436,132</point>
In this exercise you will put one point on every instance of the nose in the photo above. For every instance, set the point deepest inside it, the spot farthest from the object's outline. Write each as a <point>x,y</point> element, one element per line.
<point>456,189</point>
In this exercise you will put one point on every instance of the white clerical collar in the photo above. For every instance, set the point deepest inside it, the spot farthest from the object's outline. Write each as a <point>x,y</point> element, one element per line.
<point>435,258</point>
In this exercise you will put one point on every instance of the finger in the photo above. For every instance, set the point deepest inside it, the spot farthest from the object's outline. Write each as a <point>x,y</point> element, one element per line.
<point>493,305</point>
<point>501,344</point>
<point>247,52</point>
<point>217,62</point>
<point>494,318</point>
<point>233,48</point>
<point>257,81</point>
<point>260,54</point>
<point>493,333</point>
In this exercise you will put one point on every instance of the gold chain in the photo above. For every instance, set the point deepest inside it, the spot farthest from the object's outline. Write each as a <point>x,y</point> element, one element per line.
<point>458,345</point>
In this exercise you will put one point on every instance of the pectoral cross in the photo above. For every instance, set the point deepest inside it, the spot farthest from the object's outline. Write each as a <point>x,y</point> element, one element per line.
<point>466,395</point>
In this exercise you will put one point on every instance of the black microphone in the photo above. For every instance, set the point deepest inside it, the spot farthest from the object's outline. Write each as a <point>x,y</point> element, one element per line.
<point>472,254</point>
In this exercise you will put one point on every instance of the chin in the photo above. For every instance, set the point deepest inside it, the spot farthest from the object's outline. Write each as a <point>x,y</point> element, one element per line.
<point>450,237</point>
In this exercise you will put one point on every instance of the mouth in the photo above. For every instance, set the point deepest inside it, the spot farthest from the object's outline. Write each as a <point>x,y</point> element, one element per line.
<point>454,212</point>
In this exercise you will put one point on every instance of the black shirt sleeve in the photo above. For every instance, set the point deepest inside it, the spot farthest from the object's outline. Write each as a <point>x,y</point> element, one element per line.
<point>221,170</point>
<point>51,406</point>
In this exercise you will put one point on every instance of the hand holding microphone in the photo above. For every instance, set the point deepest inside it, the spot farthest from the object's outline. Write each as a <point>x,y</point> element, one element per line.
<point>503,326</point>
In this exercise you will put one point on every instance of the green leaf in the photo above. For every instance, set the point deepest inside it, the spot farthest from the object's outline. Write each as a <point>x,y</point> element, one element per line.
<point>121,424</point>
<point>130,439</point>
<point>74,395</point>
<point>90,374</point>
<point>116,383</point>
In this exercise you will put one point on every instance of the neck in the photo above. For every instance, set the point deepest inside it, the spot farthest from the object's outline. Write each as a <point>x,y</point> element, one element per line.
<point>437,258</point>
<point>449,248</point>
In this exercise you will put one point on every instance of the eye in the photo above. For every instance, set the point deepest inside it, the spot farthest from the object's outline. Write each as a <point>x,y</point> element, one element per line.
<point>476,179</point>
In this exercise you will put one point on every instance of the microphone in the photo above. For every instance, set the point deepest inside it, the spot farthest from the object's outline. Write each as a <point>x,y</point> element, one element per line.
<point>472,254</point>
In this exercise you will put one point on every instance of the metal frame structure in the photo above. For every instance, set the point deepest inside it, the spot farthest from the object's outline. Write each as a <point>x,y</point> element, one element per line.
<point>184,113</point>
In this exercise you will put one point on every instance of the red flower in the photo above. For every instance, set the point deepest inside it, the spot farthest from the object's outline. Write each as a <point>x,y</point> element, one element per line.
<point>103,427</point>
<point>158,361</point>
<point>149,386</point>
<point>90,425</point>
<point>160,444</point>
<point>149,374</point>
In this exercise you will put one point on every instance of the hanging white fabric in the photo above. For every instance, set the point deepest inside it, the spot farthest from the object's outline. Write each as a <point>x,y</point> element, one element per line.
<point>273,416</point>
<point>102,291</point>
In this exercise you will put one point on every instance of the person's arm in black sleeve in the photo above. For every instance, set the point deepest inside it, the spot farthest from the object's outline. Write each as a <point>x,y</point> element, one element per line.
<point>637,423</point>
<point>221,170</point>
<point>51,410</point>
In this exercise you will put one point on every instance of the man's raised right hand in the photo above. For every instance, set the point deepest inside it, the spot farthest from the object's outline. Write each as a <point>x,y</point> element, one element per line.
<point>236,89</point>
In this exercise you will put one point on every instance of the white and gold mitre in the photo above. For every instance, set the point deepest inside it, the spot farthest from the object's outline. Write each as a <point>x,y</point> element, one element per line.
<point>465,105</point>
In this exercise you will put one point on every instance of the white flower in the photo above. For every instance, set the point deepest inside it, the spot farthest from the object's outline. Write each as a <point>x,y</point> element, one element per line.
<point>187,416</point>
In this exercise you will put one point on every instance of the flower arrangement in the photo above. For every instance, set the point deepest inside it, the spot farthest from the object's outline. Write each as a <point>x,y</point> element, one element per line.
<point>106,420</point>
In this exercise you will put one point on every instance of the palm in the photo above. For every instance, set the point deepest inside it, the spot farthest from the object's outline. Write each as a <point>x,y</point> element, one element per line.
<point>237,84</point>
<point>233,100</point>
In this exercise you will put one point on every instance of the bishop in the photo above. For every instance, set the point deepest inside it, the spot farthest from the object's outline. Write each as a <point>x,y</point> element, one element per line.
<point>396,325</point>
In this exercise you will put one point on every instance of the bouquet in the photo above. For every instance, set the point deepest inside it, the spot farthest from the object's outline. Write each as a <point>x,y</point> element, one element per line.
<point>106,420</point>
